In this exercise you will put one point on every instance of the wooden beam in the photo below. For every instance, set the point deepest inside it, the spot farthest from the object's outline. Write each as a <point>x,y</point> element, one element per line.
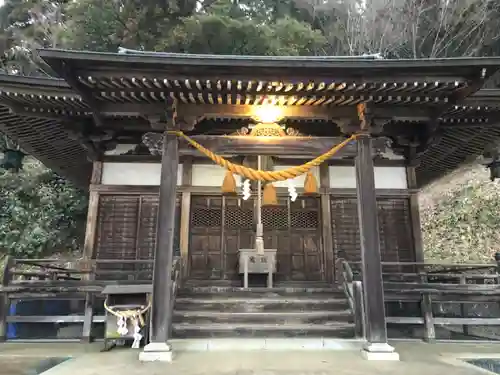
<point>270,145</point>
<point>275,146</point>
<point>251,111</point>
<point>215,190</point>
<point>376,331</point>
<point>279,160</point>
<point>247,111</point>
<point>163,262</point>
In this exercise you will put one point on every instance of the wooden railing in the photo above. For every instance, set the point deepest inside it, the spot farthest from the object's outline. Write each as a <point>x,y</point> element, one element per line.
<point>176,283</point>
<point>353,289</point>
<point>428,286</point>
<point>436,272</point>
<point>427,295</point>
<point>39,279</point>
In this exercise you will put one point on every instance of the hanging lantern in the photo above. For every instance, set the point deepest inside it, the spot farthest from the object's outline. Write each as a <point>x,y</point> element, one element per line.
<point>310,184</point>
<point>269,197</point>
<point>229,184</point>
<point>12,160</point>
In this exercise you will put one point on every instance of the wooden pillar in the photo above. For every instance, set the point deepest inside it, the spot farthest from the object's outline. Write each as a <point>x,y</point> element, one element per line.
<point>91,228</point>
<point>187,172</point>
<point>416,228</point>
<point>161,315</point>
<point>376,330</point>
<point>89,250</point>
<point>326,223</point>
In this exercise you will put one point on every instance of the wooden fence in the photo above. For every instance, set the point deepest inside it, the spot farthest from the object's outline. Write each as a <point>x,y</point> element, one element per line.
<point>56,280</point>
<point>412,298</point>
<point>412,291</point>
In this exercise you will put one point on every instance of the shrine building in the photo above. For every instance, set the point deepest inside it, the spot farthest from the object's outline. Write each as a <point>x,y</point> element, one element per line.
<point>251,173</point>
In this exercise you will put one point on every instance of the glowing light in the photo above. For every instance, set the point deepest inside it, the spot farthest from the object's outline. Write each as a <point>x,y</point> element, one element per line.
<point>267,113</point>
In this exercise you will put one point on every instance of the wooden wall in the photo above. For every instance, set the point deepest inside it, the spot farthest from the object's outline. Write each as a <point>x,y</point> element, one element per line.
<point>126,229</point>
<point>396,238</point>
<point>122,219</point>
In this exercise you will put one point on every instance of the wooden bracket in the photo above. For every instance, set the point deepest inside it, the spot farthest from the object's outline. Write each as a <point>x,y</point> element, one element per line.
<point>165,120</point>
<point>188,123</point>
<point>364,120</point>
<point>368,120</point>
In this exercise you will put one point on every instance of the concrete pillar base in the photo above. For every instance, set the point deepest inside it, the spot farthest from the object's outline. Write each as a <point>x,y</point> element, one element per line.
<point>379,352</point>
<point>156,352</point>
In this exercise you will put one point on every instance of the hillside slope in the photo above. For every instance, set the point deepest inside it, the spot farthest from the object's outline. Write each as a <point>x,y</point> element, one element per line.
<point>460,217</point>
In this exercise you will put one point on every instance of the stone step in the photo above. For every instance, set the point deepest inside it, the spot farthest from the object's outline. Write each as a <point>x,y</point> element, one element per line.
<point>215,292</point>
<point>262,343</point>
<point>239,283</point>
<point>274,317</point>
<point>332,329</point>
<point>231,303</point>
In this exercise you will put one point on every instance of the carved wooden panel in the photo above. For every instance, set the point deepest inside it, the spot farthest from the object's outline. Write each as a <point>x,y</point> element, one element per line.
<point>205,237</point>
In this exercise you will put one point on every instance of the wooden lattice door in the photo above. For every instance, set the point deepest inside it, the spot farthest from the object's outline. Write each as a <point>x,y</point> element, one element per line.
<point>293,228</point>
<point>238,232</point>
<point>205,238</point>
<point>306,250</point>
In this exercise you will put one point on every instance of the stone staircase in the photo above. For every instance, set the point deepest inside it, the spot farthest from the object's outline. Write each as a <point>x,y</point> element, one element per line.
<point>282,312</point>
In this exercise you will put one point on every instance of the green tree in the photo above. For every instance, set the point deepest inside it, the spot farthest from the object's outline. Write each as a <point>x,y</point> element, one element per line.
<point>27,25</point>
<point>41,213</point>
<point>219,27</point>
<point>104,25</point>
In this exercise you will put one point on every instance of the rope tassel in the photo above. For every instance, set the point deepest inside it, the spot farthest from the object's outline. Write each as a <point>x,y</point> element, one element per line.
<point>310,184</point>
<point>269,197</point>
<point>229,184</point>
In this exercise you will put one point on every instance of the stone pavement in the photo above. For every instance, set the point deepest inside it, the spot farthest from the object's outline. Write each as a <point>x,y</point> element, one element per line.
<point>416,359</point>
